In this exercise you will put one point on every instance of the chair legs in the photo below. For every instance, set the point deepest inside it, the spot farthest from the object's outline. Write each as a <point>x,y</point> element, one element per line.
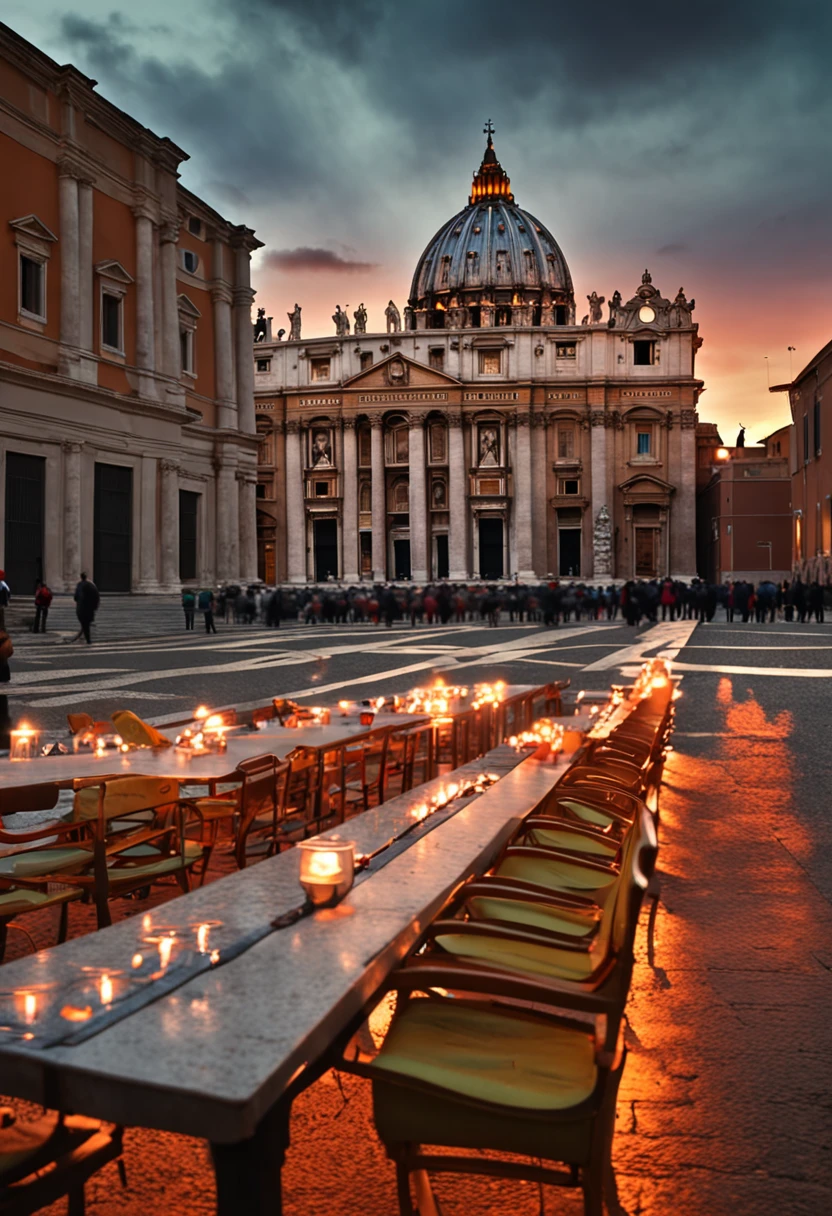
<point>63,924</point>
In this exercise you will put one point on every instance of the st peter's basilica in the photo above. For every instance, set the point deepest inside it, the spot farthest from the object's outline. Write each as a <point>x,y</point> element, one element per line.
<point>488,432</point>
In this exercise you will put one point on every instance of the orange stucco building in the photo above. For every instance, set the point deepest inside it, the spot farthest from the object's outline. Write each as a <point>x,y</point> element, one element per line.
<point>127,435</point>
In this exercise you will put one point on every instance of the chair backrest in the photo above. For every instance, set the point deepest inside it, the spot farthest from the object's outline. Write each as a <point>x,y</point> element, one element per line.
<point>612,774</point>
<point>124,796</point>
<point>304,780</point>
<point>262,793</point>
<point>134,730</point>
<point>593,805</point>
<point>78,723</point>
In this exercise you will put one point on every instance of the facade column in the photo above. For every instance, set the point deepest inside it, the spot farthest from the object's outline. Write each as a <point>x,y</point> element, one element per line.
<point>223,345</point>
<point>379,499</point>
<point>243,297</point>
<point>86,338</point>
<point>458,569</point>
<point>148,566</point>
<point>417,501</point>
<point>228,564</point>
<point>246,482</point>
<point>70,327</point>
<point>601,563</point>
<point>72,513</point>
<point>145,327</point>
<point>349,501</point>
<point>540,501</point>
<point>169,524</point>
<point>171,350</point>
<point>683,503</point>
<point>295,505</point>
<point>522,470</point>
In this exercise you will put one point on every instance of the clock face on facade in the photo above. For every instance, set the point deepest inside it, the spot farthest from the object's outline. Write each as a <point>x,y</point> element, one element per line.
<point>646,314</point>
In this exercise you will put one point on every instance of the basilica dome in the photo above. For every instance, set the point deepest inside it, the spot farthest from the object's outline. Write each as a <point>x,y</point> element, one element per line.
<point>492,264</point>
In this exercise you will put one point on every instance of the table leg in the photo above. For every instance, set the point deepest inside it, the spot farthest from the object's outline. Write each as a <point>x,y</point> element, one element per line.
<point>248,1173</point>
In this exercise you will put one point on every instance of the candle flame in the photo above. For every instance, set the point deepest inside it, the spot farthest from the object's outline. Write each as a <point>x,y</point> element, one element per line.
<point>202,938</point>
<point>215,957</point>
<point>136,961</point>
<point>30,1008</point>
<point>202,711</point>
<point>105,989</point>
<point>146,921</point>
<point>323,866</point>
<point>165,951</point>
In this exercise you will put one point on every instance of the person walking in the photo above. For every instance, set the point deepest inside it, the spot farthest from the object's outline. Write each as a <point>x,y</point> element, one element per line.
<point>87,600</point>
<point>205,604</point>
<point>188,606</point>
<point>5,596</point>
<point>43,598</point>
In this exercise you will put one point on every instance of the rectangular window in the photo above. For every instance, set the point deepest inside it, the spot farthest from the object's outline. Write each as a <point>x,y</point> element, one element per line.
<point>805,438</point>
<point>111,321</point>
<point>194,226</point>
<point>186,350</point>
<point>401,446</point>
<point>260,490</point>
<point>31,286</point>
<point>365,447</point>
<point>438,446</point>
<point>490,362</point>
<point>644,353</point>
<point>566,442</point>
<point>264,365</point>
<point>816,421</point>
<point>569,485</point>
<point>319,369</point>
<point>565,350</point>
<point>366,360</point>
<point>321,489</point>
<point>644,442</point>
<point>436,358</point>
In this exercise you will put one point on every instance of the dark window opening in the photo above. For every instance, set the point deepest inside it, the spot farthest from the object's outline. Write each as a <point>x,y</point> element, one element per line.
<point>442,564</point>
<point>366,359</point>
<point>188,518</point>
<point>816,421</point>
<point>805,438</point>
<point>561,315</point>
<point>321,489</point>
<point>571,486</point>
<point>436,358</point>
<point>644,353</point>
<point>31,286</point>
<point>111,321</point>
<point>263,365</point>
<point>260,490</point>
<point>194,226</point>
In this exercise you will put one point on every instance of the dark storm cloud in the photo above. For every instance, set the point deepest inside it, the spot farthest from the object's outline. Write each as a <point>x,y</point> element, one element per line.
<point>671,249</point>
<point>305,258</point>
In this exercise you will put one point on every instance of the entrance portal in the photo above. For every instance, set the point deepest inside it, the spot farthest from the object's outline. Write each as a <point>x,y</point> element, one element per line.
<point>112,527</point>
<point>24,521</point>
<point>188,510</point>
<point>442,565</point>
<point>569,552</point>
<point>326,549</point>
<point>401,559</point>
<point>491,548</point>
<point>646,548</point>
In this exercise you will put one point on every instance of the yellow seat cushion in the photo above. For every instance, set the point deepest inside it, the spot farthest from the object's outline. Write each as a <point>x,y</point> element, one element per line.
<point>576,923</point>
<point>14,903</point>
<point>507,1057</point>
<point>555,874</point>
<point>525,957</point>
<point>138,732</point>
<point>562,838</point>
<point>43,861</point>
<point>586,812</point>
<point>155,866</point>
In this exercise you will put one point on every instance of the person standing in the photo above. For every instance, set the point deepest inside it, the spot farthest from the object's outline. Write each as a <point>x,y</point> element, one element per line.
<point>5,596</point>
<point>206,607</point>
<point>43,598</point>
<point>188,606</point>
<point>87,600</point>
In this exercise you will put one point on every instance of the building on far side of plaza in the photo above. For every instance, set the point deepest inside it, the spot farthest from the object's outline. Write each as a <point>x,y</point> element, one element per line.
<point>744,508</point>
<point>127,434</point>
<point>810,402</point>
<point>486,433</point>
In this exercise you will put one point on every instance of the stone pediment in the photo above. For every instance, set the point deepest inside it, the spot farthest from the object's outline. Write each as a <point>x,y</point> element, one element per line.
<point>111,269</point>
<point>31,226</point>
<point>398,372</point>
<point>187,307</point>
<point>646,487</point>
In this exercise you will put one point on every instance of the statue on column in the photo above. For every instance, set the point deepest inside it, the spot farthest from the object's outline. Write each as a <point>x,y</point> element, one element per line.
<point>602,545</point>
<point>595,303</point>
<point>294,323</point>
<point>360,318</point>
<point>261,329</point>
<point>394,318</point>
<point>342,321</point>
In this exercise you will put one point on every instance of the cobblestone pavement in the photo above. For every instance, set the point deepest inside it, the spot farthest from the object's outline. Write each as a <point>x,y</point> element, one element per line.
<point>725,1107</point>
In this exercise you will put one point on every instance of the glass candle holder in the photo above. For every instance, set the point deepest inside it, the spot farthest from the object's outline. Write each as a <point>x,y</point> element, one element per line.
<point>367,717</point>
<point>326,870</point>
<point>24,742</point>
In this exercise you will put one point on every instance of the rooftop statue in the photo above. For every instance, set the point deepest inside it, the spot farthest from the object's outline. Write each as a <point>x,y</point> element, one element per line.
<point>294,323</point>
<point>342,321</point>
<point>595,303</point>
<point>360,318</point>
<point>261,329</point>
<point>394,318</point>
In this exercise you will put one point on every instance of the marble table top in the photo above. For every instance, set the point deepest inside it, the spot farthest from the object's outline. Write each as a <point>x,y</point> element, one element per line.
<point>210,1058</point>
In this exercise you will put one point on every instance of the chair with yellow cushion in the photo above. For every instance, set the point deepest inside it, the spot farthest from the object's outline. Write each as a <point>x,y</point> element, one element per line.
<point>43,1160</point>
<point>471,1071</point>
<point>138,732</point>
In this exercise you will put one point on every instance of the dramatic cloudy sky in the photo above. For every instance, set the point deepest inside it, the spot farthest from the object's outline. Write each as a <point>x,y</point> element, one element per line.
<point>690,140</point>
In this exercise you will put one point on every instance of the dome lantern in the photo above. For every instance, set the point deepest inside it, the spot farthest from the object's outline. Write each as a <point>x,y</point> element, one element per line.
<point>491,179</point>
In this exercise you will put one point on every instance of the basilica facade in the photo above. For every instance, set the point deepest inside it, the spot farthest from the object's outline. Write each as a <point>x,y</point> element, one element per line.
<point>487,434</point>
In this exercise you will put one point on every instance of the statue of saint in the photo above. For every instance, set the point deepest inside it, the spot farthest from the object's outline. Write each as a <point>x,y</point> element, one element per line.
<point>294,324</point>
<point>595,302</point>
<point>342,321</point>
<point>408,317</point>
<point>394,318</point>
<point>615,304</point>
<point>741,438</point>
<point>321,450</point>
<point>489,447</point>
<point>261,329</point>
<point>360,318</point>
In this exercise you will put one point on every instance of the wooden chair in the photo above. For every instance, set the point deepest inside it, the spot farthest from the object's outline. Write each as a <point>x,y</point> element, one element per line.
<point>303,790</point>
<point>261,827</point>
<point>361,779</point>
<point>43,1160</point>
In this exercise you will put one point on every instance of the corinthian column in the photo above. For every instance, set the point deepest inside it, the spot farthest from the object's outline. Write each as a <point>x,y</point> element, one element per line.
<point>243,297</point>
<point>89,365</point>
<point>417,502</point>
<point>169,523</point>
<point>246,481</point>
<point>349,519</point>
<point>228,563</point>
<point>171,350</point>
<point>379,499</point>
<point>522,469</point>
<point>70,328</point>
<point>145,329</point>
<point>683,509</point>
<point>601,565</point>
<point>457,501</point>
<point>72,512</point>
<point>540,548</point>
<point>223,349</point>
<point>295,506</point>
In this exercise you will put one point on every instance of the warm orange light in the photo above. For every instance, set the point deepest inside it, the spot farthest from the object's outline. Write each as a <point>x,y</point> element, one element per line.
<point>105,990</point>
<point>136,961</point>
<point>73,1013</point>
<point>202,938</point>
<point>214,722</point>
<point>165,951</point>
<point>202,712</point>
<point>30,1008</point>
<point>722,454</point>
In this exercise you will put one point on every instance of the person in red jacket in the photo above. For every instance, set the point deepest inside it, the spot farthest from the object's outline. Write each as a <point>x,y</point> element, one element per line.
<point>43,598</point>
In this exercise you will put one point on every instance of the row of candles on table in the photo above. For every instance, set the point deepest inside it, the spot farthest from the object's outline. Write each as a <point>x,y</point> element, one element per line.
<point>25,744</point>
<point>654,677</point>
<point>207,737</point>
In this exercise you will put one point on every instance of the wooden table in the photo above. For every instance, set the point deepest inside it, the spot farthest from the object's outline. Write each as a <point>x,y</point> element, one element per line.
<point>216,1058</point>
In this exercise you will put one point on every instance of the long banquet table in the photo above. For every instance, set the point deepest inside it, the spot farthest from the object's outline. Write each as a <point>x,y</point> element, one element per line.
<point>216,1057</point>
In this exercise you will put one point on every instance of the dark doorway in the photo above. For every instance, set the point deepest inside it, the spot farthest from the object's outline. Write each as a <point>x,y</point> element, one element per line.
<point>112,527</point>
<point>188,509</point>
<point>442,566</point>
<point>401,559</point>
<point>569,552</point>
<point>326,549</point>
<point>491,548</point>
<point>646,552</point>
<point>24,521</point>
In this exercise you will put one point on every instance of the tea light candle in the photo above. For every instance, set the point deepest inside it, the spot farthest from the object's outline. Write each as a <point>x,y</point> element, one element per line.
<point>23,742</point>
<point>344,707</point>
<point>367,717</point>
<point>326,869</point>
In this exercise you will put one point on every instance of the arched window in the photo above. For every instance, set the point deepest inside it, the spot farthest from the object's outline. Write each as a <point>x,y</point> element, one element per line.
<point>401,498</point>
<point>365,499</point>
<point>397,441</point>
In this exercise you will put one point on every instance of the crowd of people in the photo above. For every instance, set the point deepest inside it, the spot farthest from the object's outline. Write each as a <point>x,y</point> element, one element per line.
<point>549,603</point>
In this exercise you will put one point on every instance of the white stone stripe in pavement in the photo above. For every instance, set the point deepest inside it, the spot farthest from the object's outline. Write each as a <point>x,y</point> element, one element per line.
<point>662,636</point>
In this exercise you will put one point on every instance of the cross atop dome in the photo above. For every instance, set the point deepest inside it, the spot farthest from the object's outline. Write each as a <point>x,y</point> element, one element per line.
<point>491,179</point>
